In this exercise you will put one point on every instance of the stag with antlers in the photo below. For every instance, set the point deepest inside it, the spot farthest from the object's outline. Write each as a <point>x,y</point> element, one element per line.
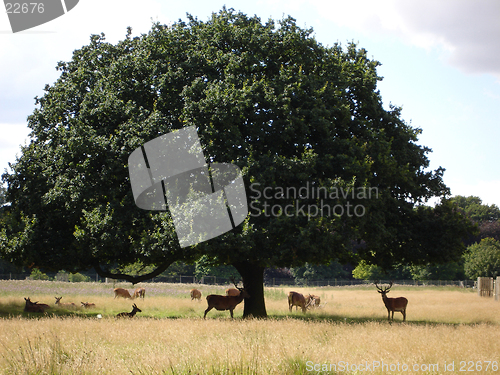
<point>393,304</point>
<point>131,314</point>
<point>222,303</point>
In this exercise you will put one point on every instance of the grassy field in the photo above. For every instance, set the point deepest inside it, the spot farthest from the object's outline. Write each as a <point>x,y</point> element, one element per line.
<point>448,330</point>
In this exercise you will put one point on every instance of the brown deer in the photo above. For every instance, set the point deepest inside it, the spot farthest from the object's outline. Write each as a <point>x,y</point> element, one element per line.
<point>88,305</point>
<point>393,304</point>
<point>131,314</point>
<point>139,293</point>
<point>296,299</point>
<point>58,303</point>
<point>312,301</point>
<point>232,292</point>
<point>35,306</point>
<point>120,292</point>
<point>222,303</point>
<point>195,294</point>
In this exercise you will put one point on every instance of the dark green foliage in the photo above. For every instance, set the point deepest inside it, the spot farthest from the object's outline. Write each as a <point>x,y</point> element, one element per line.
<point>333,270</point>
<point>474,208</point>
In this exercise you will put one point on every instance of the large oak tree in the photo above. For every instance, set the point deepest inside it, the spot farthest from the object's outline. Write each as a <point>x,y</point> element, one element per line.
<point>303,121</point>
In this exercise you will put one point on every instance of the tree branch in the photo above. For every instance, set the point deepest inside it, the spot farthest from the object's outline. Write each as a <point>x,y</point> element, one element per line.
<point>133,279</point>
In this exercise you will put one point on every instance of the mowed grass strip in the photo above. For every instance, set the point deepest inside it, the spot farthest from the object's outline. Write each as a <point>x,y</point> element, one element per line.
<point>444,326</point>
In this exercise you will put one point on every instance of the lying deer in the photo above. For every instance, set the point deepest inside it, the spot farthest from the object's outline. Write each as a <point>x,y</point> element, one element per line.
<point>88,305</point>
<point>222,303</point>
<point>131,314</point>
<point>120,292</point>
<point>58,303</point>
<point>35,306</point>
<point>393,304</point>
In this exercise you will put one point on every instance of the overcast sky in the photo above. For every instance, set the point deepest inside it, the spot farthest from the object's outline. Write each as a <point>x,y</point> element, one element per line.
<point>440,62</point>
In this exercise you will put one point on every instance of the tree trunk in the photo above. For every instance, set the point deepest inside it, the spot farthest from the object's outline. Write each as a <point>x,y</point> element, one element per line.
<point>253,282</point>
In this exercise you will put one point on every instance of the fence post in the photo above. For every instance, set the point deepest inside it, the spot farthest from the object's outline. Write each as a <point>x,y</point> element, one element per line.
<point>485,286</point>
<point>497,288</point>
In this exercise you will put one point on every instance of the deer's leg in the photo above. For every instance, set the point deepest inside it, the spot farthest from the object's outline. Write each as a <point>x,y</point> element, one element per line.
<point>231,311</point>
<point>206,311</point>
<point>404,314</point>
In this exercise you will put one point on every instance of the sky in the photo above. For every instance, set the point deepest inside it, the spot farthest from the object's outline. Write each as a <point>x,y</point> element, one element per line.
<point>440,62</point>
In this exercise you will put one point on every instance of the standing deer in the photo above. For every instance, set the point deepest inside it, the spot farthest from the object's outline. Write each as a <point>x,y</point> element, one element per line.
<point>222,303</point>
<point>297,299</point>
<point>139,292</point>
<point>393,304</point>
<point>232,292</point>
<point>35,306</point>
<point>195,294</point>
<point>120,292</point>
<point>131,314</point>
<point>58,303</point>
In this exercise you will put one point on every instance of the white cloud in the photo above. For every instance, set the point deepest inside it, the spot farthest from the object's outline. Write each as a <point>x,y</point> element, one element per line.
<point>468,30</point>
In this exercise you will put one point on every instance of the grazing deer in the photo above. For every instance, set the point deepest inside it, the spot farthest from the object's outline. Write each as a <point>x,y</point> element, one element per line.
<point>35,306</point>
<point>312,301</point>
<point>195,294</point>
<point>139,292</point>
<point>222,303</point>
<point>58,303</point>
<point>232,292</point>
<point>296,299</point>
<point>393,304</point>
<point>131,314</point>
<point>120,292</point>
<point>88,305</point>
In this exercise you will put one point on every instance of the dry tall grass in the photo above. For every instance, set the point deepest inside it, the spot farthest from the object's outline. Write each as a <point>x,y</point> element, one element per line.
<point>444,327</point>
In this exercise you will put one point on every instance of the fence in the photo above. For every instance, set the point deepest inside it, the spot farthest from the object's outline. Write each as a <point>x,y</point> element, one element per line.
<point>485,286</point>
<point>215,280</point>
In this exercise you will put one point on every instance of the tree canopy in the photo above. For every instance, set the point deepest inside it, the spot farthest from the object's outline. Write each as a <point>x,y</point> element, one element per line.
<point>483,259</point>
<point>329,172</point>
<point>474,208</point>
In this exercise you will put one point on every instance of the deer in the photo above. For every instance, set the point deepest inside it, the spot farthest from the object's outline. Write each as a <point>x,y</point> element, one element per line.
<point>139,292</point>
<point>312,301</point>
<point>120,292</point>
<point>58,303</point>
<point>195,294</point>
<point>223,303</point>
<point>35,306</point>
<point>88,305</point>
<point>393,304</point>
<point>131,314</point>
<point>297,299</point>
<point>232,292</point>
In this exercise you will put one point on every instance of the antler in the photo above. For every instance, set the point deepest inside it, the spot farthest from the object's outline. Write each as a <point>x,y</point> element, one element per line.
<point>234,282</point>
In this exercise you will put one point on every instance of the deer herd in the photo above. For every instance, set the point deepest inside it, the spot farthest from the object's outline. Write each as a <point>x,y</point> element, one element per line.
<point>233,297</point>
